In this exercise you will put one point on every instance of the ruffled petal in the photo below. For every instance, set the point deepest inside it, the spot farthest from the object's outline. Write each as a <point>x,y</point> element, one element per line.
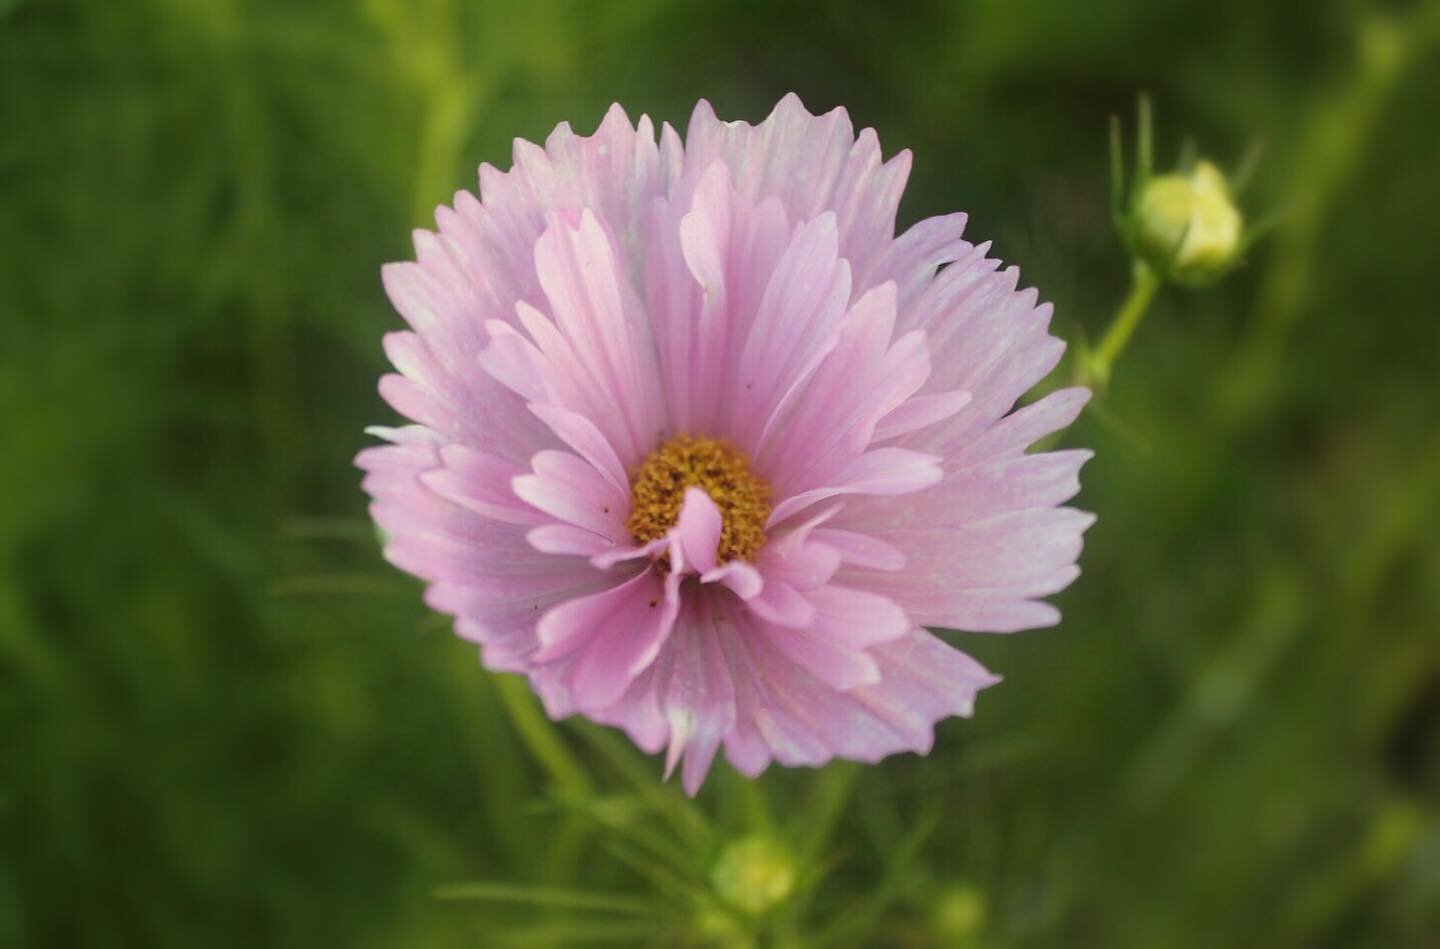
<point>796,325</point>
<point>609,638</point>
<point>711,257</point>
<point>480,483</point>
<point>883,471</point>
<point>866,377</point>
<point>608,341</point>
<point>987,575</point>
<point>812,164</point>
<point>467,540</point>
<point>479,264</point>
<point>698,700</point>
<point>784,712</point>
<point>697,531</point>
<point>578,432</point>
<point>569,489</point>
<point>985,337</point>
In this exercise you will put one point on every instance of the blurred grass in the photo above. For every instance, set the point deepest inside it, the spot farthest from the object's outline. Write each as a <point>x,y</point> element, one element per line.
<point>225,721</point>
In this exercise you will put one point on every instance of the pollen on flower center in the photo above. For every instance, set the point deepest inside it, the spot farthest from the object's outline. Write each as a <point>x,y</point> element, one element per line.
<point>657,491</point>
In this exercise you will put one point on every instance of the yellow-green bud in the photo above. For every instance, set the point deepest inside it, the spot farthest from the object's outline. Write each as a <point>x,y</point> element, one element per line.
<point>960,915</point>
<point>1187,227</point>
<point>754,874</point>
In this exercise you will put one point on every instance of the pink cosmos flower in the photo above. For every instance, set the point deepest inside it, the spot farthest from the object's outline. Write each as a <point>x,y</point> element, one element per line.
<point>701,447</point>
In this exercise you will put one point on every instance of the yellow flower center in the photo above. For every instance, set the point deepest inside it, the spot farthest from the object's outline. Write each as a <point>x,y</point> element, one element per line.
<point>657,491</point>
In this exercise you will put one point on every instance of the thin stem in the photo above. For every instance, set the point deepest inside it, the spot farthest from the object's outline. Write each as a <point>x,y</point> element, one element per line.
<point>540,737</point>
<point>1143,285</point>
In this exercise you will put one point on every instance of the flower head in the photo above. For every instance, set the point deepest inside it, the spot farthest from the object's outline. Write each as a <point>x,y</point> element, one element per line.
<point>701,447</point>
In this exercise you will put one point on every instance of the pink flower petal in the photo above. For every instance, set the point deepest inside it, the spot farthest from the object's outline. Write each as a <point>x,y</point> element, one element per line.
<point>567,488</point>
<point>698,699</point>
<point>580,433</point>
<point>984,576</point>
<point>921,412</point>
<point>861,550</point>
<point>481,483</point>
<point>739,577</point>
<point>837,666</point>
<point>697,532</point>
<point>883,471</point>
<point>856,618</point>
<point>567,539</point>
<point>861,381</point>
<point>782,604</point>
<point>598,312</point>
<point>796,325</point>
<point>812,164</point>
<point>613,636</point>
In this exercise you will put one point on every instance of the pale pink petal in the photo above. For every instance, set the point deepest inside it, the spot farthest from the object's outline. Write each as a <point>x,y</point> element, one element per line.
<point>711,258</point>
<point>1024,427</point>
<point>985,337</point>
<point>972,493</point>
<point>913,258</point>
<point>785,713</point>
<point>616,172</point>
<point>597,310</point>
<point>883,471</point>
<point>625,646</point>
<point>697,532</point>
<point>782,604</point>
<point>862,380</point>
<point>856,618</point>
<point>836,665</point>
<point>797,323</point>
<point>629,553</point>
<point>568,488</point>
<point>803,566</point>
<point>481,483</point>
<point>567,539</point>
<point>515,362</point>
<point>609,637</point>
<point>812,164</point>
<point>480,567</point>
<point>802,721</point>
<point>589,442</point>
<point>739,577</point>
<point>698,699</point>
<point>921,412</point>
<point>638,711</point>
<point>985,575</point>
<point>925,673</point>
<point>861,550</point>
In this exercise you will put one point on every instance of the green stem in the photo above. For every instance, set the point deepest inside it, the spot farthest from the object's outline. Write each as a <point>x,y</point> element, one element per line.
<point>540,737</point>
<point>1144,284</point>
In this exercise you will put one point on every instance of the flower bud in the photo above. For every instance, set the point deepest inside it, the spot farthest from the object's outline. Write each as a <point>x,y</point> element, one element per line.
<point>754,874</point>
<point>1187,227</point>
<point>959,915</point>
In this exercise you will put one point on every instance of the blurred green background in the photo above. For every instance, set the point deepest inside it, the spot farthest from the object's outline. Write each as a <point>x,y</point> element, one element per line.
<point>224,721</point>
